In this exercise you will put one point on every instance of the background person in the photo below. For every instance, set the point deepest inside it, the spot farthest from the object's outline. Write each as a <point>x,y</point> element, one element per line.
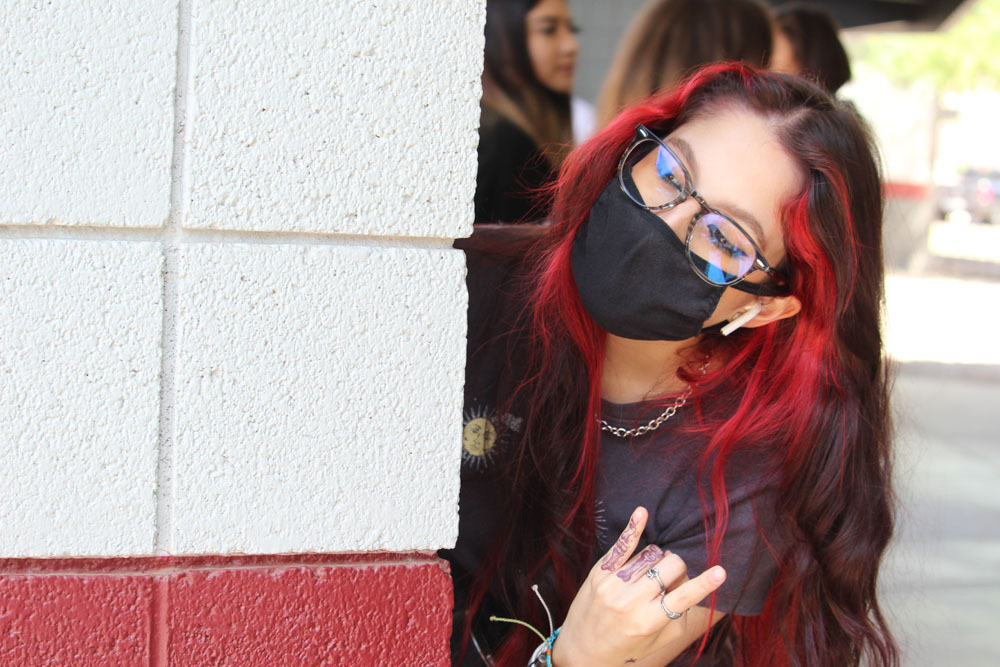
<point>806,42</point>
<point>525,126</point>
<point>756,461</point>
<point>670,38</point>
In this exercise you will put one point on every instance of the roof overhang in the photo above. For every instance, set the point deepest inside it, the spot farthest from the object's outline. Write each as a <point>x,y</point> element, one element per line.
<point>905,15</point>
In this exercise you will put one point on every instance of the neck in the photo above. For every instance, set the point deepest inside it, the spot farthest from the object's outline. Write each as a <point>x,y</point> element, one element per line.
<point>636,370</point>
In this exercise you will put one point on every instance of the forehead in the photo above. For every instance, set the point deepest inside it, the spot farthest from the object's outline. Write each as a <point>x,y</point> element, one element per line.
<point>548,10</point>
<point>739,164</point>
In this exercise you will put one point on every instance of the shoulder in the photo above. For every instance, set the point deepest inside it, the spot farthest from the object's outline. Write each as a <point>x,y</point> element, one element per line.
<point>507,151</point>
<point>498,134</point>
<point>511,171</point>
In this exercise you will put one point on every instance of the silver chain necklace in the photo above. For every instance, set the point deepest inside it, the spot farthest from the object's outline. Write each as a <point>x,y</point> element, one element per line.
<point>652,425</point>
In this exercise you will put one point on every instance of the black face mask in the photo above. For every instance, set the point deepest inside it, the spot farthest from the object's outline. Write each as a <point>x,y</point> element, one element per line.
<point>633,274</point>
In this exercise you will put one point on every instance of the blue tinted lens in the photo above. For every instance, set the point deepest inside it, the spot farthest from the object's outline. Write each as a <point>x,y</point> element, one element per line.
<point>712,272</point>
<point>651,176</point>
<point>666,165</point>
<point>719,249</point>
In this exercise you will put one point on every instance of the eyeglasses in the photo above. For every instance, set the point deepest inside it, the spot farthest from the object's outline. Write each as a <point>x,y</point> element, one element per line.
<point>719,249</point>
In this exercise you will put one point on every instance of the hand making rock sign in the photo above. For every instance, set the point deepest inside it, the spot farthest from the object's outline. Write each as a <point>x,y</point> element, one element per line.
<point>636,609</point>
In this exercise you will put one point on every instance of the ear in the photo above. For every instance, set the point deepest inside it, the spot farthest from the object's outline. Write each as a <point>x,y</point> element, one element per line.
<point>774,309</point>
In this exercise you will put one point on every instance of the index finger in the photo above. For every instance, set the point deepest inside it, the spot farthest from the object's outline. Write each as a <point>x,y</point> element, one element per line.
<point>627,541</point>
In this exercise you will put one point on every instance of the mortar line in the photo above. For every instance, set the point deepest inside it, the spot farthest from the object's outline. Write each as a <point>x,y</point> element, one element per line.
<point>266,237</point>
<point>179,181</point>
<point>180,237</point>
<point>159,641</point>
<point>81,233</point>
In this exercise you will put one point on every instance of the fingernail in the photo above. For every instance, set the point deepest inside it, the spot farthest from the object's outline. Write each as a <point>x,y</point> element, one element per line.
<point>717,574</point>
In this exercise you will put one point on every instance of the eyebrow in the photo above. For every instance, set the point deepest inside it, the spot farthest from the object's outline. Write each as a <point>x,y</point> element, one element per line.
<point>738,212</point>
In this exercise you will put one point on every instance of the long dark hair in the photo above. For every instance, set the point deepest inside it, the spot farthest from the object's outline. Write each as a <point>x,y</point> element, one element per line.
<point>815,44</point>
<point>670,38</point>
<point>510,86</point>
<point>823,397</point>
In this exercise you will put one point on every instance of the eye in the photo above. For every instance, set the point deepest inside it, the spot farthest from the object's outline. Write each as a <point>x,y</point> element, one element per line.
<point>548,28</point>
<point>723,251</point>
<point>721,241</point>
<point>669,168</point>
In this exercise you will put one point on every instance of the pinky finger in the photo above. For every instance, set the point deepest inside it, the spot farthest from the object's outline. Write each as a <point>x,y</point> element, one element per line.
<point>692,592</point>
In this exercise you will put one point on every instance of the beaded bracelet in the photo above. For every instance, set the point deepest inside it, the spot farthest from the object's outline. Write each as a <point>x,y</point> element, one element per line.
<point>544,649</point>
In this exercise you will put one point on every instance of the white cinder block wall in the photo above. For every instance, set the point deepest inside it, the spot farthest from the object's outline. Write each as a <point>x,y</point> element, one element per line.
<point>230,316</point>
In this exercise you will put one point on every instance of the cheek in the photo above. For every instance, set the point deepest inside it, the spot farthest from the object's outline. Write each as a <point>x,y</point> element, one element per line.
<point>732,300</point>
<point>541,53</point>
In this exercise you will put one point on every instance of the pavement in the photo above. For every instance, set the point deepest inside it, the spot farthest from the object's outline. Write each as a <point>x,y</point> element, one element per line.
<point>941,581</point>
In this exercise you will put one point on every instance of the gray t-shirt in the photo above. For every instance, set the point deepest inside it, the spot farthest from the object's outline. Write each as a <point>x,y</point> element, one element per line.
<point>660,471</point>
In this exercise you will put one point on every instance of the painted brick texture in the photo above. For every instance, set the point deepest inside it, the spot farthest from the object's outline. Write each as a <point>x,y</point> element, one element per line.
<point>251,339</point>
<point>80,325</point>
<point>317,398</point>
<point>72,620</point>
<point>337,117</point>
<point>86,128</point>
<point>388,615</point>
<point>395,613</point>
<point>231,322</point>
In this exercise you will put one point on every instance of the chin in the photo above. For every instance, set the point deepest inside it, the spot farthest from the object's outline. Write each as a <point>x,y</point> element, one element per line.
<point>563,87</point>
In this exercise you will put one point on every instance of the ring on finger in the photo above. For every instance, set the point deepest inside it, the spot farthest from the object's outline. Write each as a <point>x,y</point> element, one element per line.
<point>652,573</point>
<point>672,615</point>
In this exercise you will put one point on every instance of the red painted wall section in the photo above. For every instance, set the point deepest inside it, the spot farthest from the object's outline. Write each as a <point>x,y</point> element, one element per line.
<point>310,616</point>
<point>245,611</point>
<point>73,620</point>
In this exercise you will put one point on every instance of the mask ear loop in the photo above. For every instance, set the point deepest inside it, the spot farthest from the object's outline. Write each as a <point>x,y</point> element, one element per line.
<point>751,312</point>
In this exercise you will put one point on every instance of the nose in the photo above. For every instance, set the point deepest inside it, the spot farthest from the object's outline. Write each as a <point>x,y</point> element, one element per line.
<point>570,45</point>
<point>679,217</point>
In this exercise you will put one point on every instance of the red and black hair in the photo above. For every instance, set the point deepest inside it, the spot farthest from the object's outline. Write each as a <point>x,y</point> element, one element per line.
<point>815,382</point>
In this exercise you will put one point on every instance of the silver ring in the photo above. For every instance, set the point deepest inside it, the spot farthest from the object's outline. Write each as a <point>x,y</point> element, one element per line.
<point>672,615</point>
<point>653,574</point>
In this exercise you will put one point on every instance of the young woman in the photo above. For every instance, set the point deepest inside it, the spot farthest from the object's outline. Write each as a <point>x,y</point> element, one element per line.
<point>670,38</point>
<point>806,42</point>
<point>692,386</point>
<point>525,123</point>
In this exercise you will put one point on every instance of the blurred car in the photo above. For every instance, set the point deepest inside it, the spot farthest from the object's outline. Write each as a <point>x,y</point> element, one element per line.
<point>975,198</point>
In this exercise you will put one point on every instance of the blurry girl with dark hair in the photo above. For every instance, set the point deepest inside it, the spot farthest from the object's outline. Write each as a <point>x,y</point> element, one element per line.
<point>670,38</point>
<point>681,433</point>
<point>806,42</point>
<point>525,126</point>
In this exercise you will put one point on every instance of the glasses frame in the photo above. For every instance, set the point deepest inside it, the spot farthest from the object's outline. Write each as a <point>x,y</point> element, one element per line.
<point>780,283</point>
